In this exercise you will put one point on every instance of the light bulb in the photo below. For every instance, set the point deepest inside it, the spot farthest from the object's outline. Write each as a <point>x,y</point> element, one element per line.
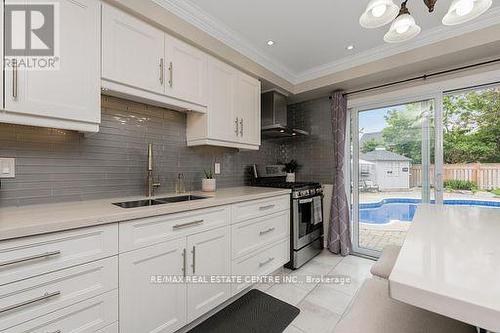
<point>464,7</point>
<point>379,10</point>
<point>402,25</point>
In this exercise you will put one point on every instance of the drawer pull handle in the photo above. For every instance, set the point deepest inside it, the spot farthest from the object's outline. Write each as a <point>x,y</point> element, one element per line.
<point>266,262</point>
<point>267,231</point>
<point>37,256</point>
<point>31,301</point>
<point>267,207</point>
<point>189,224</point>
<point>58,331</point>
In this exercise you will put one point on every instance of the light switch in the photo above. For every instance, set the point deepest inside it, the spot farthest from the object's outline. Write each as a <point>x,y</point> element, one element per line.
<point>7,167</point>
<point>217,168</point>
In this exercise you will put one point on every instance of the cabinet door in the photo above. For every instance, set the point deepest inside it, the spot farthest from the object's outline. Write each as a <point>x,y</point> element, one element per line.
<point>132,51</point>
<point>72,91</point>
<point>186,71</point>
<point>222,119</point>
<point>209,255</point>
<point>248,109</point>
<point>146,306</point>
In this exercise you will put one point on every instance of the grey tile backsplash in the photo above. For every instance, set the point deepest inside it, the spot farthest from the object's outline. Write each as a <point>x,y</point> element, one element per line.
<point>56,165</point>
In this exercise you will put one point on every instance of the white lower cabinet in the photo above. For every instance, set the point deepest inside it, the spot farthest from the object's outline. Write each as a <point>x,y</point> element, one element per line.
<point>209,254</point>
<point>146,306</point>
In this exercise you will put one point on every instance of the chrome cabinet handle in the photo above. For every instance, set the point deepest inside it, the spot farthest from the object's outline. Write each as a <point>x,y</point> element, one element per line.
<point>236,131</point>
<point>266,262</point>
<point>58,331</point>
<point>14,79</point>
<point>34,257</point>
<point>184,262</point>
<point>162,75</point>
<point>267,231</point>
<point>241,127</point>
<point>171,75</point>
<point>267,207</point>
<point>31,301</point>
<point>193,265</point>
<point>189,224</point>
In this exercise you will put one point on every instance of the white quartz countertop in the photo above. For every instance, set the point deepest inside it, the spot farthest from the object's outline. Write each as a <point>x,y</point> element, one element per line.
<point>38,219</point>
<point>450,264</point>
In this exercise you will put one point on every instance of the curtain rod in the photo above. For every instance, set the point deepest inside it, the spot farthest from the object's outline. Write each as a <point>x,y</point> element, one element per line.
<point>422,77</point>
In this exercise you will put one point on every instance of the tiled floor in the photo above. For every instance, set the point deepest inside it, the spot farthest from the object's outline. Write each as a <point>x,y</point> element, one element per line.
<point>321,304</point>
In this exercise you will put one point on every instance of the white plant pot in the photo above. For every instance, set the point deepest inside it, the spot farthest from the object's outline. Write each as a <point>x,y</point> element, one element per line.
<point>290,177</point>
<point>208,185</point>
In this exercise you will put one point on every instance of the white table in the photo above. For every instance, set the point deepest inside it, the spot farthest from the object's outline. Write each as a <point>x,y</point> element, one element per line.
<point>450,264</point>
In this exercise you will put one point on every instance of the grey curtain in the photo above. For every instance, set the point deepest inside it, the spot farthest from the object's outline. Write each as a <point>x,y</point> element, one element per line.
<point>339,232</point>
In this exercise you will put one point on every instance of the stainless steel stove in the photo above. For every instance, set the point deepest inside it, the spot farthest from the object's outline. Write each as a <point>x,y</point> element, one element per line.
<point>306,218</point>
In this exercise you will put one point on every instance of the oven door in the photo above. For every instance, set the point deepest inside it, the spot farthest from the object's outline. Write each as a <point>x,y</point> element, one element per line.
<point>307,225</point>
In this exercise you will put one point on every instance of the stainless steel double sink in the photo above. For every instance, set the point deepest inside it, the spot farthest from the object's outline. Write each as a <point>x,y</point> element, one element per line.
<point>157,201</point>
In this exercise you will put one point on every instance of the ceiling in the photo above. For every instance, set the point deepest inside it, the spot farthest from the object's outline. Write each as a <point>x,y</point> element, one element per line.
<point>311,36</point>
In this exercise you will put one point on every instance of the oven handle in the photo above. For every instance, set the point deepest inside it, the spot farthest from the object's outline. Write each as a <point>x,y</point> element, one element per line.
<point>309,199</point>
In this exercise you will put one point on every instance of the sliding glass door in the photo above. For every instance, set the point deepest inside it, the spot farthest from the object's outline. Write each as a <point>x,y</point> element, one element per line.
<point>393,151</point>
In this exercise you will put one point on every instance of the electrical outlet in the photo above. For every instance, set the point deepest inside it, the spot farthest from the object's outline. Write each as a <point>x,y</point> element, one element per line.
<point>7,167</point>
<point>217,168</point>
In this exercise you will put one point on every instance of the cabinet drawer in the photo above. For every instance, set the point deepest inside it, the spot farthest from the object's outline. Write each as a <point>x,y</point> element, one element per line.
<point>93,315</point>
<point>251,209</point>
<point>30,256</point>
<point>31,298</point>
<point>262,263</point>
<point>149,231</point>
<point>250,236</point>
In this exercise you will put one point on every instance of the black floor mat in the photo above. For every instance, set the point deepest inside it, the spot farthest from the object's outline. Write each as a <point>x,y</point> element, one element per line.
<point>254,312</point>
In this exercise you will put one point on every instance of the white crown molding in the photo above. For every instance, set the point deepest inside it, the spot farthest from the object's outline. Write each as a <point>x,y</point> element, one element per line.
<point>196,16</point>
<point>199,18</point>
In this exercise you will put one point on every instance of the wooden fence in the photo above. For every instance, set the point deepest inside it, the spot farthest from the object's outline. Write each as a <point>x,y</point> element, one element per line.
<point>486,176</point>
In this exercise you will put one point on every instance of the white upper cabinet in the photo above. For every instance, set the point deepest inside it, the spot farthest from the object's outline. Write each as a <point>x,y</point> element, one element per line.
<point>248,109</point>
<point>67,96</point>
<point>186,69</point>
<point>143,63</point>
<point>132,51</point>
<point>233,117</point>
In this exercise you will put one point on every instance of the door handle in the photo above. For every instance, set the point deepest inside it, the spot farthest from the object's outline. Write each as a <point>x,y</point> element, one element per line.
<point>241,127</point>
<point>266,207</point>
<point>184,262</point>
<point>236,131</point>
<point>14,79</point>
<point>171,74</point>
<point>162,74</point>
<point>193,265</point>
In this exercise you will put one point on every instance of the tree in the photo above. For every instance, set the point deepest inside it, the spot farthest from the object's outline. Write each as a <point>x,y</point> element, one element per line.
<point>370,145</point>
<point>472,127</point>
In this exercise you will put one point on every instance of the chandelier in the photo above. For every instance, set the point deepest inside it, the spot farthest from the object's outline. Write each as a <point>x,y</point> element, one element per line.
<point>404,27</point>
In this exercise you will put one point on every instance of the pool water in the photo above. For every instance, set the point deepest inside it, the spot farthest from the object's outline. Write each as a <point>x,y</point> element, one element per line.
<point>403,209</point>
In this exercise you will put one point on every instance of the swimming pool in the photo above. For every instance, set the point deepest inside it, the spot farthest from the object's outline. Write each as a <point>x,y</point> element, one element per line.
<point>403,209</point>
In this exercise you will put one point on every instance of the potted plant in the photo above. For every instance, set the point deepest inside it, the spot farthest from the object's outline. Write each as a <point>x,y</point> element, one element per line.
<point>208,183</point>
<point>290,168</point>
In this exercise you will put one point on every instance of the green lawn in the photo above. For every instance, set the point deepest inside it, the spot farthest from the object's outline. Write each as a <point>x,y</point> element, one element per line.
<point>496,191</point>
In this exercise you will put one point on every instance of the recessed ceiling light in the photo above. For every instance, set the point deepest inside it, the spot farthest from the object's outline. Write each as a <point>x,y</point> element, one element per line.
<point>270,42</point>
<point>350,47</point>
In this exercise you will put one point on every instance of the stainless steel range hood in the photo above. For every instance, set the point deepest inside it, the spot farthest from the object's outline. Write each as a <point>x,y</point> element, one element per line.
<point>275,119</point>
